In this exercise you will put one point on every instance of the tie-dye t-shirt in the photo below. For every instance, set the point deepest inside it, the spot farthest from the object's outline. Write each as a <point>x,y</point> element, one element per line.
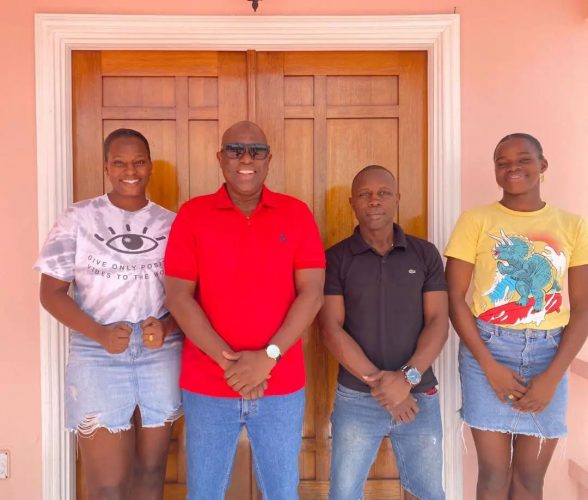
<point>520,263</point>
<point>113,258</point>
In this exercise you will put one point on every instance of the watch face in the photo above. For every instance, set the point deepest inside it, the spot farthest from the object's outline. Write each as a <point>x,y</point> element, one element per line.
<point>273,351</point>
<point>413,376</point>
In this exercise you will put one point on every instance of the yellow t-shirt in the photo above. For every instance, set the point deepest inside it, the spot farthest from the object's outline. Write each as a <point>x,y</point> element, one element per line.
<point>520,262</point>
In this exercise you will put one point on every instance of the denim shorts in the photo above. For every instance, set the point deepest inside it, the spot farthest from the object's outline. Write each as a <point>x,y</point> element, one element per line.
<point>528,352</point>
<point>102,390</point>
<point>359,424</point>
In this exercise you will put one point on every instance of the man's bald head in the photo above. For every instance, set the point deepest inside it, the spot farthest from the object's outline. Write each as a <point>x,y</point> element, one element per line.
<point>366,170</point>
<point>244,126</point>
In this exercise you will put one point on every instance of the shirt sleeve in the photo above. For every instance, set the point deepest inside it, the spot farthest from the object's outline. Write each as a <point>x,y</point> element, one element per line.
<point>435,276</point>
<point>333,283</point>
<point>463,242</point>
<point>181,259</point>
<point>579,255</point>
<point>58,255</point>
<point>310,253</point>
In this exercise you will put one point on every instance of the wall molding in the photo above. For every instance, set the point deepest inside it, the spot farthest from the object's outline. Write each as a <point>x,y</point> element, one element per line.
<point>56,35</point>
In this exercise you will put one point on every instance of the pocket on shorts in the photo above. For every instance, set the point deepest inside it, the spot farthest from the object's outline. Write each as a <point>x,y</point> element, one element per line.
<point>555,339</point>
<point>487,337</point>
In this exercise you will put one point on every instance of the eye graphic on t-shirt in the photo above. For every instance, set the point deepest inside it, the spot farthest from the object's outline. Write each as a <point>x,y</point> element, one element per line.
<point>131,242</point>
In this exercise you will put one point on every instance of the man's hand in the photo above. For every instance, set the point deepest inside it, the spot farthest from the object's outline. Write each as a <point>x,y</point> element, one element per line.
<point>115,338</point>
<point>256,392</point>
<point>389,388</point>
<point>248,370</point>
<point>539,393</point>
<point>506,383</point>
<point>153,333</point>
<point>406,411</point>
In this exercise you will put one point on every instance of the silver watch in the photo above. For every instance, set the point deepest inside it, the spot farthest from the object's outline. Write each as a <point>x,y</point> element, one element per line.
<point>273,352</point>
<point>411,374</point>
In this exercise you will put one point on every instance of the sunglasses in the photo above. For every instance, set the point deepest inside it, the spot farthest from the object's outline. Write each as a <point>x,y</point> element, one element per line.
<point>236,150</point>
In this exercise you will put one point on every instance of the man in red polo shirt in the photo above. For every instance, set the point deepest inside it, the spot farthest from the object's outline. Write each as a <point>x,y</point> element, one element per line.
<point>244,278</point>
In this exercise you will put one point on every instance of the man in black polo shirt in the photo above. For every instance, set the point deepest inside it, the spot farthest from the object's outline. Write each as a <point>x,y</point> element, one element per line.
<point>385,321</point>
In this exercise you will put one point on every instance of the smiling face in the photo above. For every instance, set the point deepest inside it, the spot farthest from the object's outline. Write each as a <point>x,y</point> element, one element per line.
<point>244,176</point>
<point>128,168</point>
<point>518,166</point>
<point>374,199</point>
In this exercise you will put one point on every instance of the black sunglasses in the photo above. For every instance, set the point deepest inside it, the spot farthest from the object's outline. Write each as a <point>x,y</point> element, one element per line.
<point>236,150</point>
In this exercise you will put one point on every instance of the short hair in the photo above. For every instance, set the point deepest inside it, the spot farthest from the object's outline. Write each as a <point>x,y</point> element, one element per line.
<point>527,137</point>
<point>368,169</point>
<point>124,132</point>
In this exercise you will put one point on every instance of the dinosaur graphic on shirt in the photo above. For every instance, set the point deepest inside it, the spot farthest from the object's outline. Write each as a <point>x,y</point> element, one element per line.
<point>526,285</point>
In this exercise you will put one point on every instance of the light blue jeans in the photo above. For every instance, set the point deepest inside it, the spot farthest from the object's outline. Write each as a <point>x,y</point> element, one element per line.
<point>360,424</point>
<point>274,427</point>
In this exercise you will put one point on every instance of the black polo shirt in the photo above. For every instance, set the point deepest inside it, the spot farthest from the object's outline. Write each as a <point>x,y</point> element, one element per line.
<point>384,298</point>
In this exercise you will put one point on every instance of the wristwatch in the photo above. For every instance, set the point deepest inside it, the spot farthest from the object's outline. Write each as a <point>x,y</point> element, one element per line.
<point>411,374</point>
<point>273,352</point>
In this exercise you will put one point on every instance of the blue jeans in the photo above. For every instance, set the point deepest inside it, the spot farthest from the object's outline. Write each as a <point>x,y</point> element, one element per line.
<point>274,426</point>
<point>360,424</point>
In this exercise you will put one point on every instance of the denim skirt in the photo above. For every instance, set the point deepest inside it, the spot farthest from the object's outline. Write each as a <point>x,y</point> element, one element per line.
<point>102,390</point>
<point>528,352</point>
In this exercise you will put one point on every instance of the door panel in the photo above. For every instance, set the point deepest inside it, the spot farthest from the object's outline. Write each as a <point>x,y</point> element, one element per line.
<point>326,115</point>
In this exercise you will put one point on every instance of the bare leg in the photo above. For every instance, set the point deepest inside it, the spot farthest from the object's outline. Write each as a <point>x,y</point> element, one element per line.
<point>107,458</point>
<point>530,461</point>
<point>152,447</point>
<point>494,470</point>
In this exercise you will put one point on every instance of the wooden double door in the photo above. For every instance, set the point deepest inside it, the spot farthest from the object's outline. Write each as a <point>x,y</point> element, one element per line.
<point>326,116</point>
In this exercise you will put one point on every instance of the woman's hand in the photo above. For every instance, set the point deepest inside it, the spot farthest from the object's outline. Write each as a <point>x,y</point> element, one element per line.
<point>153,333</point>
<point>539,393</point>
<point>115,338</point>
<point>506,383</point>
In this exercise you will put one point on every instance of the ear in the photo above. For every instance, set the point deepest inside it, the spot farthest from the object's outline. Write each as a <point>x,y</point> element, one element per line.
<point>544,165</point>
<point>218,155</point>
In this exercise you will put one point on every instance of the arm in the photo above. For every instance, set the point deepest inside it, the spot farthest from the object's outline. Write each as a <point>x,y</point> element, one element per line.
<point>339,343</point>
<point>503,380</point>
<point>55,299</point>
<point>542,387</point>
<point>393,387</point>
<point>192,320</point>
<point>253,367</point>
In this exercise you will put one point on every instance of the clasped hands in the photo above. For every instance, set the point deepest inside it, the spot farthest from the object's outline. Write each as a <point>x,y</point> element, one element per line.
<point>115,338</point>
<point>391,390</point>
<point>532,396</point>
<point>247,372</point>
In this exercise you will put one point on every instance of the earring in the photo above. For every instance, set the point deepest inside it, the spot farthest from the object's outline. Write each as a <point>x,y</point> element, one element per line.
<point>541,178</point>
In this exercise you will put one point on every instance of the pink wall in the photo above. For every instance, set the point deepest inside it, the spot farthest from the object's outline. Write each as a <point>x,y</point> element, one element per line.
<point>523,68</point>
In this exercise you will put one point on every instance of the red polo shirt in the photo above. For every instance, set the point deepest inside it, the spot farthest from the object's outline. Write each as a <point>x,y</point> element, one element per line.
<point>244,267</point>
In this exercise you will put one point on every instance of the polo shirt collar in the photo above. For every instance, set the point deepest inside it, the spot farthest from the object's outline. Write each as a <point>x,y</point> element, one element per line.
<point>223,200</point>
<point>359,245</point>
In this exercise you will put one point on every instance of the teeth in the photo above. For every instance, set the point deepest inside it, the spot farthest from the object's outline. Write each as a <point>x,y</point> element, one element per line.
<point>131,181</point>
<point>246,172</point>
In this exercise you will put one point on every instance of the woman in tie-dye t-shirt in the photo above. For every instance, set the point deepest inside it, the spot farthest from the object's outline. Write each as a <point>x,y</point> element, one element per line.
<point>121,381</point>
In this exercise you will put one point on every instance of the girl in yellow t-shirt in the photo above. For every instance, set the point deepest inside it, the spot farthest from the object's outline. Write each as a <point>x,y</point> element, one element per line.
<point>517,338</point>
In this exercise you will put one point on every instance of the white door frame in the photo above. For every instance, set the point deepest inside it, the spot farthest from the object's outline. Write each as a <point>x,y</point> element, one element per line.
<point>56,35</point>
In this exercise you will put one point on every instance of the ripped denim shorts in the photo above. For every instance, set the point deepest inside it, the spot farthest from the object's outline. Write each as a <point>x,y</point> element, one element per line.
<point>103,389</point>
<point>528,352</point>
